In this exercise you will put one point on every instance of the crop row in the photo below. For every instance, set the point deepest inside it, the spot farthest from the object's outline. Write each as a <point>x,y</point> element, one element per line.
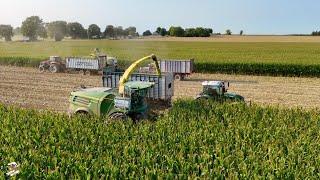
<point>20,61</point>
<point>194,139</point>
<point>296,70</point>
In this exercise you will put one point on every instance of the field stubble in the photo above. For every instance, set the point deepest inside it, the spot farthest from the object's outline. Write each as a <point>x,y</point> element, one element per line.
<point>26,87</point>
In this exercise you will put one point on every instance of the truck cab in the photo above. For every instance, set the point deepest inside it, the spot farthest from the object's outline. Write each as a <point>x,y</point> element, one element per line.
<point>218,90</point>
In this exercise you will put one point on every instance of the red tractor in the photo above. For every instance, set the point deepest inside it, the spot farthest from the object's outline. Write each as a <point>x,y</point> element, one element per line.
<point>54,65</point>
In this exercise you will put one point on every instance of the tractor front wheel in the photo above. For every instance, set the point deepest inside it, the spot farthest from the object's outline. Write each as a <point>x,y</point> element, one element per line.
<point>41,68</point>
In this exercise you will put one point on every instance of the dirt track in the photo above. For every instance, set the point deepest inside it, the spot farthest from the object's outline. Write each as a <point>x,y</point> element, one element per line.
<point>26,87</point>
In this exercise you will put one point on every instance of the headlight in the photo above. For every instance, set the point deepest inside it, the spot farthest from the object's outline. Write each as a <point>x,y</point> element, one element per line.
<point>122,103</point>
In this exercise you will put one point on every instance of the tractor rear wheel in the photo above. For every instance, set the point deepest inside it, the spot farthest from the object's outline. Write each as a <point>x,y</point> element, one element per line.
<point>54,68</point>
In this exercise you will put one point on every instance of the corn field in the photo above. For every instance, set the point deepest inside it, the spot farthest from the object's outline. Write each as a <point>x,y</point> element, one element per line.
<point>194,139</point>
<point>259,58</point>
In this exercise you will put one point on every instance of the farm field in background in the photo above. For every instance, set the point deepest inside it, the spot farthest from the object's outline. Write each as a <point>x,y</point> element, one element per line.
<point>215,52</point>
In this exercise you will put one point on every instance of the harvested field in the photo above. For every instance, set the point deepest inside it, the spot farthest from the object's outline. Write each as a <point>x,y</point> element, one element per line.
<point>26,87</point>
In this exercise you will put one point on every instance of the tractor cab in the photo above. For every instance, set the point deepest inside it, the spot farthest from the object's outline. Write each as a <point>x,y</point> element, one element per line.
<point>218,90</point>
<point>133,101</point>
<point>111,65</point>
<point>55,59</point>
<point>215,88</point>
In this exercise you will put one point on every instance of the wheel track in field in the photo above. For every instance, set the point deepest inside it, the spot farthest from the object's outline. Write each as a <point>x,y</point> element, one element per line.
<point>26,87</point>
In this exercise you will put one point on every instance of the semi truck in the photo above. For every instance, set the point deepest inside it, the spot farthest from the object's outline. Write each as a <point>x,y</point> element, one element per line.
<point>86,65</point>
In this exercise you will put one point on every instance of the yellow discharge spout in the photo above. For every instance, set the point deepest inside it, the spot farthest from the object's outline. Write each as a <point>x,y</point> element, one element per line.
<point>131,69</point>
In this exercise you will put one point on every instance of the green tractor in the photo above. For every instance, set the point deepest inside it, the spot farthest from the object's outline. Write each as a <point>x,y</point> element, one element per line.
<point>127,101</point>
<point>217,90</point>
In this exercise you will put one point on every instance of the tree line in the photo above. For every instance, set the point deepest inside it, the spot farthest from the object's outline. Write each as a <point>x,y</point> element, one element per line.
<point>180,32</point>
<point>315,33</point>
<point>33,28</point>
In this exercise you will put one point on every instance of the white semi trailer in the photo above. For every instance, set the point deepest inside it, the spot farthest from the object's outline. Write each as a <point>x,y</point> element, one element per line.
<point>162,90</point>
<point>180,68</point>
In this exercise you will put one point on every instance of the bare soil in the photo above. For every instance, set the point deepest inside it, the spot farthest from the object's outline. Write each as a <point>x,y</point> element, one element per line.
<point>28,88</point>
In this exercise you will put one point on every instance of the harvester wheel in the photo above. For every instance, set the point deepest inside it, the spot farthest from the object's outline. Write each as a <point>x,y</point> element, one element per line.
<point>138,117</point>
<point>53,68</point>
<point>118,116</point>
<point>199,98</point>
<point>41,69</point>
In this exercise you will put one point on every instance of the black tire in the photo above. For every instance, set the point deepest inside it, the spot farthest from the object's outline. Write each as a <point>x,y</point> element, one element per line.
<point>118,116</point>
<point>138,117</point>
<point>200,98</point>
<point>42,69</point>
<point>87,72</point>
<point>82,114</point>
<point>54,68</point>
<point>177,77</point>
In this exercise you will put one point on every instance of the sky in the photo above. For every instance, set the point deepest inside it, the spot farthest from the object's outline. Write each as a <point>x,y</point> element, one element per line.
<point>252,16</point>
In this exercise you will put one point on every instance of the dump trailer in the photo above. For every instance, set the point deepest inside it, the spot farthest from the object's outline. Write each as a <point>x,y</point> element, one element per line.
<point>87,65</point>
<point>180,68</point>
<point>162,90</point>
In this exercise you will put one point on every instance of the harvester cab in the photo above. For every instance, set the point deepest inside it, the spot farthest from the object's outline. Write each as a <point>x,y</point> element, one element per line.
<point>218,90</point>
<point>133,102</point>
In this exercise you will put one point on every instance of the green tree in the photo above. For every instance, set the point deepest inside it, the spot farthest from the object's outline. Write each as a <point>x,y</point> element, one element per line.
<point>42,32</point>
<point>190,32</point>
<point>57,30</point>
<point>58,36</point>
<point>241,32</point>
<point>132,31</point>
<point>176,31</point>
<point>119,32</point>
<point>109,31</point>
<point>17,31</point>
<point>228,32</point>
<point>163,32</point>
<point>6,31</point>
<point>30,27</point>
<point>158,30</point>
<point>94,31</point>
<point>147,33</point>
<point>75,30</point>
<point>209,30</point>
